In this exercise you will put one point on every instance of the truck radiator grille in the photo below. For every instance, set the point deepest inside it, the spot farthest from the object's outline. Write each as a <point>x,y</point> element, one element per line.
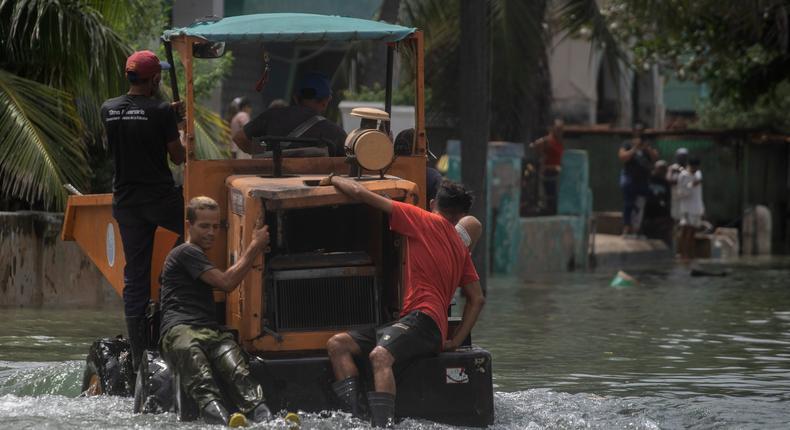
<point>329,298</point>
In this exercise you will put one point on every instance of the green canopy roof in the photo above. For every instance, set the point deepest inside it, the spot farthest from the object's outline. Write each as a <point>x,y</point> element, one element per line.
<point>292,27</point>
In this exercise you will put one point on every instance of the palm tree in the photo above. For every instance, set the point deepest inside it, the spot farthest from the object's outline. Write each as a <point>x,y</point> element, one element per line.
<point>520,34</point>
<point>56,61</point>
<point>59,59</point>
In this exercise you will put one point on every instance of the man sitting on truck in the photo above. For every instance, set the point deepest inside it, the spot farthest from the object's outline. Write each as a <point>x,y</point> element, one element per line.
<point>302,119</point>
<point>422,328</point>
<point>191,340</point>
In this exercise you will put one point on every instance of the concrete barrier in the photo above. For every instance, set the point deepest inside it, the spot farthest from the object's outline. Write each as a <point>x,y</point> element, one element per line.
<point>548,244</point>
<point>616,252</point>
<point>37,269</point>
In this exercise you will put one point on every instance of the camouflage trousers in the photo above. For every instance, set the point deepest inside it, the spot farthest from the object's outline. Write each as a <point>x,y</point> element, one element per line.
<point>204,357</point>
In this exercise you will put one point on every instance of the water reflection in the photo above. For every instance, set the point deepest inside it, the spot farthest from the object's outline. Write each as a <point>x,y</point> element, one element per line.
<point>673,335</point>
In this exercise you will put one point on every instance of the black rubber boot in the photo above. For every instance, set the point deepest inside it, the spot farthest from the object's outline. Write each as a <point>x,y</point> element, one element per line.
<point>138,338</point>
<point>347,391</point>
<point>232,368</point>
<point>260,414</point>
<point>214,413</point>
<point>382,409</point>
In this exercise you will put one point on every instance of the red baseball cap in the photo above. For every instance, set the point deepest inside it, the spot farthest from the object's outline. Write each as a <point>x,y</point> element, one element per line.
<point>145,64</point>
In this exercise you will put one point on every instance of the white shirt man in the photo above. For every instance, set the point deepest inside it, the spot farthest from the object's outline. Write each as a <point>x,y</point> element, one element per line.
<point>673,173</point>
<point>691,207</point>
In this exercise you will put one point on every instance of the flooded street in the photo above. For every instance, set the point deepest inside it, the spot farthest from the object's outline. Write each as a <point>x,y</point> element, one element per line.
<point>569,352</point>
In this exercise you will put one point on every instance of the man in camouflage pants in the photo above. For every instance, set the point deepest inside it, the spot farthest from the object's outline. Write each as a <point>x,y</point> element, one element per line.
<point>191,340</point>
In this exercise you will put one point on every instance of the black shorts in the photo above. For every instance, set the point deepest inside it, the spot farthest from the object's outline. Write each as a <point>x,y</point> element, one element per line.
<point>414,335</point>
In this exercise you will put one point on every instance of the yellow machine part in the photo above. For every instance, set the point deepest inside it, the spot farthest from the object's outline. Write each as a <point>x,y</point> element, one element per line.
<point>89,222</point>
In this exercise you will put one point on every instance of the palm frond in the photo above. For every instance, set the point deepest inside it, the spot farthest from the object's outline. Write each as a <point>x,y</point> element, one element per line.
<point>120,15</point>
<point>212,132</point>
<point>576,17</point>
<point>40,147</point>
<point>68,45</point>
<point>520,81</point>
<point>583,18</point>
<point>520,75</point>
<point>440,22</point>
<point>212,135</point>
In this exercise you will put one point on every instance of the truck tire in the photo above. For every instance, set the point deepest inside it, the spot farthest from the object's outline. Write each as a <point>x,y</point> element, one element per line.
<point>108,368</point>
<point>153,388</point>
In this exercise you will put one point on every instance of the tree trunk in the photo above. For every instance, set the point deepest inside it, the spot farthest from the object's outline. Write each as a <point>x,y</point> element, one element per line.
<point>537,113</point>
<point>475,109</point>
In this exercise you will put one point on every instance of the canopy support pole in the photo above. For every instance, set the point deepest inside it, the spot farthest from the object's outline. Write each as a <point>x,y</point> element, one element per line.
<point>419,95</point>
<point>388,87</point>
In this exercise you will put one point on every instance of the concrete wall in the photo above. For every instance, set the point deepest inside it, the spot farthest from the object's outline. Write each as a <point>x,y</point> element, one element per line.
<point>548,244</point>
<point>559,243</point>
<point>37,269</point>
<point>504,194</point>
<point>536,244</point>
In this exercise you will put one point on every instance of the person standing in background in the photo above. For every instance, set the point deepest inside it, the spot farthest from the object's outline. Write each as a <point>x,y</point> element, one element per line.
<point>551,149</point>
<point>673,173</point>
<point>637,157</point>
<point>692,208</point>
<point>240,109</point>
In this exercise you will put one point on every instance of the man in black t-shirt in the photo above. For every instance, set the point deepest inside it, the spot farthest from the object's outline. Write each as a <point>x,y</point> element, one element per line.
<point>142,131</point>
<point>191,339</point>
<point>637,157</point>
<point>303,119</point>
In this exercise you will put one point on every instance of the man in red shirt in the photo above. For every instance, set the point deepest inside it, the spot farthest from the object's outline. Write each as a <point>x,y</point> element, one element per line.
<point>438,263</point>
<point>551,149</point>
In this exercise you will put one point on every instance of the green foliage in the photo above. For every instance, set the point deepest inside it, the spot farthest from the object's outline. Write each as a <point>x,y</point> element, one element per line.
<point>519,70</point>
<point>211,134</point>
<point>207,74</point>
<point>769,112</point>
<point>403,95</point>
<point>440,23</point>
<point>40,148</point>
<point>210,130</point>
<point>59,60</point>
<point>738,48</point>
<point>145,28</point>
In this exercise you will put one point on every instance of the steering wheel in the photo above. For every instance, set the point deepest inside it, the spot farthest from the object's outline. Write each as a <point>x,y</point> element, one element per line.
<point>287,146</point>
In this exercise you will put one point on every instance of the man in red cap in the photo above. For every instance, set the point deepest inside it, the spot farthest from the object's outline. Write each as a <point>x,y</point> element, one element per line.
<point>142,131</point>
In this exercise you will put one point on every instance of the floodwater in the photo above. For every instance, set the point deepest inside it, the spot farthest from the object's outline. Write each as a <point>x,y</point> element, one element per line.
<point>569,352</point>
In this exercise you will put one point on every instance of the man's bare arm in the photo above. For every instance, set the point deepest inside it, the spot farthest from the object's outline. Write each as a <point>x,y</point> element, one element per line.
<point>177,149</point>
<point>228,280</point>
<point>626,154</point>
<point>473,228</point>
<point>359,193</point>
<point>474,304</point>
